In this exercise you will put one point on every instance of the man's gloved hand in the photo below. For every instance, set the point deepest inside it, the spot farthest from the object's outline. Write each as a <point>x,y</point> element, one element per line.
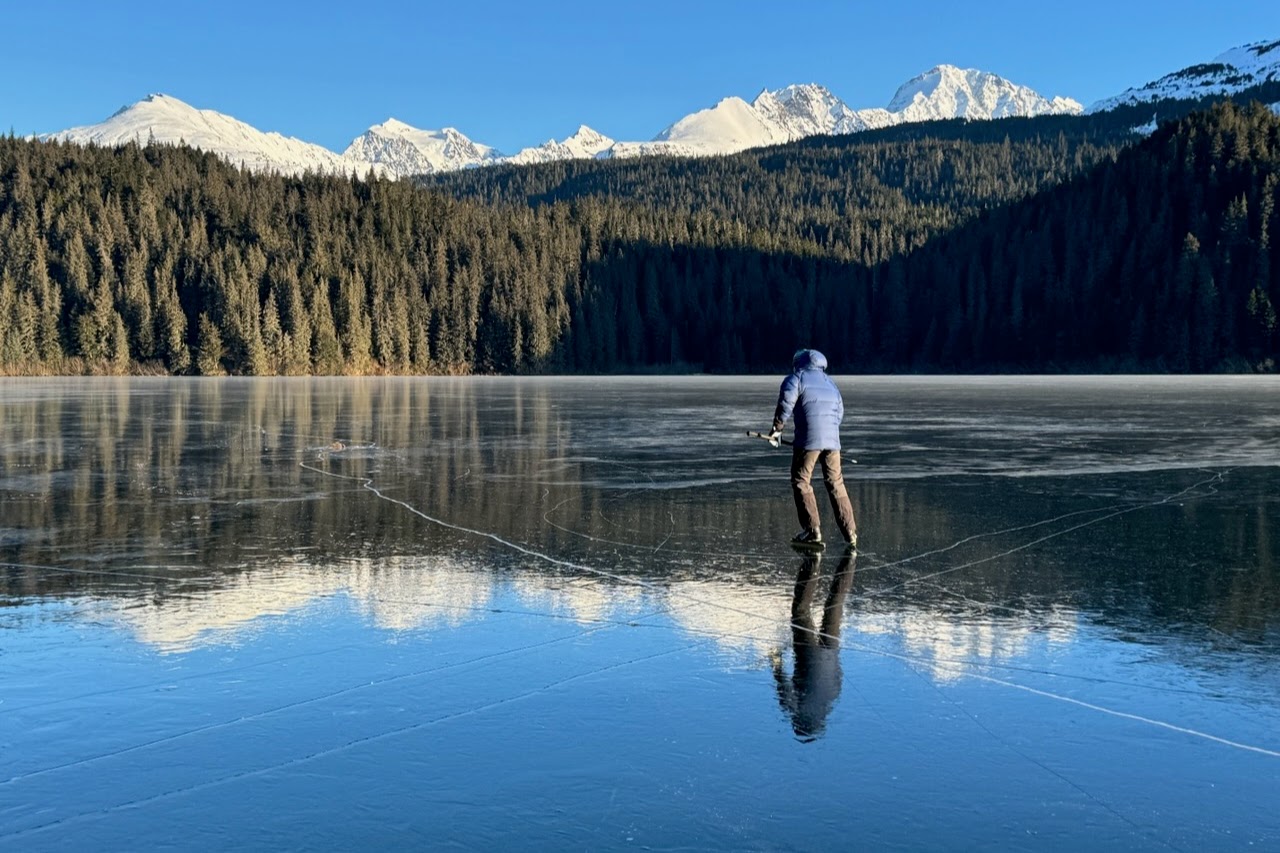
<point>775,437</point>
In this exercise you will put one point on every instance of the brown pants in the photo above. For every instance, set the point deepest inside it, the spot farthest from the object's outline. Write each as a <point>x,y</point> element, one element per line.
<point>802,465</point>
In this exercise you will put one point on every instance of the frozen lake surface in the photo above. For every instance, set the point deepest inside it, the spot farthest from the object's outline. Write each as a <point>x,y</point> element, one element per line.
<point>563,614</point>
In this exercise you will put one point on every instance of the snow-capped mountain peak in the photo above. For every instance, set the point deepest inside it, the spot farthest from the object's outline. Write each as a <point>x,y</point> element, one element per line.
<point>1258,58</point>
<point>586,136</point>
<point>731,125</point>
<point>399,149</point>
<point>806,110</point>
<point>156,103</point>
<point>585,143</point>
<point>946,91</point>
<point>393,127</point>
<point>168,120</point>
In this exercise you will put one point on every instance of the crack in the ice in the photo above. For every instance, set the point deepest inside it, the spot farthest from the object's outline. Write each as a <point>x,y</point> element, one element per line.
<point>293,762</point>
<point>645,546</point>
<point>156,684</point>
<point>959,706</point>
<point>299,704</point>
<point>1125,715</point>
<point>991,533</point>
<point>109,573</point>
<point>921,578</point>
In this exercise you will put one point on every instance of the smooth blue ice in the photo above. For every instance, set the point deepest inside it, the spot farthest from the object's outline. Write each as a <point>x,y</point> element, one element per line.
<point>562,614</point>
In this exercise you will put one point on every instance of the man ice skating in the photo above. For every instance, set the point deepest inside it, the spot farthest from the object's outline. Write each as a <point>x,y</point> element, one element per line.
<point>810,396</point>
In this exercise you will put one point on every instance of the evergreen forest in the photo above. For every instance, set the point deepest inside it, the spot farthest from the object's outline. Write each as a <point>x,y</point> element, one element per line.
<point>1030,245</point>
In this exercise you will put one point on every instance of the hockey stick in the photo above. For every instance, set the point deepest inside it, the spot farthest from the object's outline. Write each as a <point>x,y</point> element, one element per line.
<point>790,443</point>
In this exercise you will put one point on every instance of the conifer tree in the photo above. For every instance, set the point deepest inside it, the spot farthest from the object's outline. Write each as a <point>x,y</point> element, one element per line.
<point>209,349</point>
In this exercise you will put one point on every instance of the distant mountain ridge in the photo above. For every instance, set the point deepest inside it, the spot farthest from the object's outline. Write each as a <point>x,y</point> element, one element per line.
<point>1234,71</point>
<point>798,111</point>
<point>396,149</point>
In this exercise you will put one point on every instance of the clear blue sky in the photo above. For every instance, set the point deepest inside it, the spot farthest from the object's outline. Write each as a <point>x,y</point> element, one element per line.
<point>512,74</point>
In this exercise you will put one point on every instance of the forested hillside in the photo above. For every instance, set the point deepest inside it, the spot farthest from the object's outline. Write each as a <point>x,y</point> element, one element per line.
<point>1020,250</point>
<point>1166,259</point>
<point>862,198</point>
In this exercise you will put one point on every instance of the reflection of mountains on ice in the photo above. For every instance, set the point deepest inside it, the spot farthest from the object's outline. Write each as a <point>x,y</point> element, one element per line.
<point>406,594</point>
<point>585,600</point>
<point>755,620</point>
<point>392,593</point>
<point>744,620</point>
<point>946,643</point>
<point>395,594</point>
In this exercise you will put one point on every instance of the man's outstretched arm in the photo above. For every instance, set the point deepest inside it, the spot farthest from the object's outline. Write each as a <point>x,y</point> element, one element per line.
<point>787,396</point>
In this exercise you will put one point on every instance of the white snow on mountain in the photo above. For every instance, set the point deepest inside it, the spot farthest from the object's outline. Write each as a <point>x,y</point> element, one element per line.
<point>168,120</point>
<point>807,110</point>
<point>1233,71</point>
<point>735,125</point>
<point>583,144</point>
<point>731,125</point>
<point>877,117</point>
<point>950,92</point>
<point>623,150</point>
<point>1145,129</point>
<point>402,150</point>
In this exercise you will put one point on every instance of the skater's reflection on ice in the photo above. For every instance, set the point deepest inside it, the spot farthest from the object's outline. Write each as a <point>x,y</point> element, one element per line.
<point>811,691</point>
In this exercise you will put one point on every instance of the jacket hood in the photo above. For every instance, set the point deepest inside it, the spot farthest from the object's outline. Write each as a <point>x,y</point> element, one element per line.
<point>808,358</point>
